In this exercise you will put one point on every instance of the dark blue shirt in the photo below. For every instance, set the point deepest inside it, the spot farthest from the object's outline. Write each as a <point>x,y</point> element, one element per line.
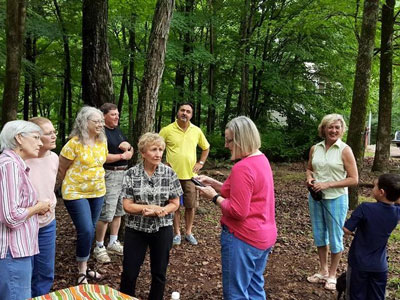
<point>374,223</point>
<point>114,139</point>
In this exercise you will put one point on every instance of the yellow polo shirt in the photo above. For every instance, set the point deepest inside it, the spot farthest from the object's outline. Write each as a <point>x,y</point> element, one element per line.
<point>181,148</point>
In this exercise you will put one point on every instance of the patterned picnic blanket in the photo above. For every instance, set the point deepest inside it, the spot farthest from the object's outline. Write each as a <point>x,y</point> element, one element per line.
<point>86,291</point>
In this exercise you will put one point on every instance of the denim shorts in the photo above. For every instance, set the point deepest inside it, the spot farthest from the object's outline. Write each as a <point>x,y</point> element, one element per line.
<point>112,206</point>
<point>327,220</point>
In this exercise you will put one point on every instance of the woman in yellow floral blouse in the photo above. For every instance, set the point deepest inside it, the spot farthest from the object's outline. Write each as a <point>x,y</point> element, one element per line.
<point>83,186</point>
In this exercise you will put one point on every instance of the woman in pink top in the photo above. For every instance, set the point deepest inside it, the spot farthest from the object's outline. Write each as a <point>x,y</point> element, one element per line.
<point>43,177</point>
<point>19,141</point>
<point>247,202</point>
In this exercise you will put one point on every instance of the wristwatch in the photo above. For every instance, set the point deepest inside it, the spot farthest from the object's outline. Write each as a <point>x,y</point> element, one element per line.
<point>201,162</point>
<point>214,199</point>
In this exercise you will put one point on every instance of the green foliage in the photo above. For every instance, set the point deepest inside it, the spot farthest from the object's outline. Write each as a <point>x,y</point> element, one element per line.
<point>217,148</point>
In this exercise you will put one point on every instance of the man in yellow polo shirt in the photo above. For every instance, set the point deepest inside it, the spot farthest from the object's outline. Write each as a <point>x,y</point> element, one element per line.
<point>181,139</point>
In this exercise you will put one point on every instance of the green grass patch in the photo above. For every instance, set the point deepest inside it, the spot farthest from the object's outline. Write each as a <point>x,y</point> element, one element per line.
<point>395,236</point>
<point>285,176</point>
<point>362,199</point>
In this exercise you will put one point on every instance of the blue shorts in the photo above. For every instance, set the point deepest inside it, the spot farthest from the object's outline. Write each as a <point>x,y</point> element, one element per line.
<point>327,220</point>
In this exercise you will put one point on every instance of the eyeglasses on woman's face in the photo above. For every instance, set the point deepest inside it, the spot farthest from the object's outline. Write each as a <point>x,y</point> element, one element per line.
<point>97,122</point>
<point>50,133</point>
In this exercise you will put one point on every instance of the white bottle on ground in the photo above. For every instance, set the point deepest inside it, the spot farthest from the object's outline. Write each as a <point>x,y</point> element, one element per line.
<point>175,296</point>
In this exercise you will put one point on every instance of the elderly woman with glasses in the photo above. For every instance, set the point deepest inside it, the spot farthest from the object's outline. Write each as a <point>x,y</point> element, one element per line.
<point>247,203</point>
<point>19,208</point>
<point>150,193</point>
<point>43,172</point>
<point>83,185</point>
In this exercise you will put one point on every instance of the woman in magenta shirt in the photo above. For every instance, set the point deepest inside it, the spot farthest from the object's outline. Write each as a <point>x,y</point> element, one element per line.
<point>247,202</point>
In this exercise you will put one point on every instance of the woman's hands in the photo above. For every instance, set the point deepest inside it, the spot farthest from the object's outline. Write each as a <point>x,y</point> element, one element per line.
<point>318,186</point>
<point>154,211</point>
<point>207,192</point>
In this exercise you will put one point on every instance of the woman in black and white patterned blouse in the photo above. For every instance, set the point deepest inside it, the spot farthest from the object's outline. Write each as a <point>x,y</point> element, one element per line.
<point>150,193</point>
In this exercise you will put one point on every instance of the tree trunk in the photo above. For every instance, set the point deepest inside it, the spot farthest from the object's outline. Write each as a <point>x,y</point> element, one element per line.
<point>211,77</point>
<point>15,28</point>
<point>34,86</point>
<point>132,38</point>
<point>199,94</point>
<point>67,89</point>
<point>243,101</point>
<point>97,86</point>
<point>355,137</point>
<point>154,68</point>
<point>27,88</point>
<point>382,152</point>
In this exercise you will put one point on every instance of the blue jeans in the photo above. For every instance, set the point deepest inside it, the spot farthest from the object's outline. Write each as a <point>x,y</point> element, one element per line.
<point>15,277</point>
<point>242,268</point>
<point>84,214</point>
<point>43,263</point>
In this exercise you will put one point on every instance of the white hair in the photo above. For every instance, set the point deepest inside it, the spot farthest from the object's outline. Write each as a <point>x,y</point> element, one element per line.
<point>12,129</point>
<point>80,128</point>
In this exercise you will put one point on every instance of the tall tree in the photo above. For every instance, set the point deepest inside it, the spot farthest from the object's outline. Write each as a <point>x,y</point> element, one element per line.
<point>154,68</point>
<point>383,137</point>
<point>67,89</point>
<point>97,86</point>
<point>15,28</point>
<point>362,79</point>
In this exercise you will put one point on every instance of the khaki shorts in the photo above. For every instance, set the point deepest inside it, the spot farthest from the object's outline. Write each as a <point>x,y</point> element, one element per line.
<point>190,199</point>
<point>112,206</point>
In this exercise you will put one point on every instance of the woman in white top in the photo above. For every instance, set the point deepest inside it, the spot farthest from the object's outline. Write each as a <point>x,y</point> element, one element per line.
<point>331,169</point>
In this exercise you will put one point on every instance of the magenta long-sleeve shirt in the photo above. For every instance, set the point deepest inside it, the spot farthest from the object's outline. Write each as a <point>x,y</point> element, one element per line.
<point>249,206</point>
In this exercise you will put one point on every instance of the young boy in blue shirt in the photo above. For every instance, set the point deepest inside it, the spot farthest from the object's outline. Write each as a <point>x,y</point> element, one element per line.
<point>373,222</point>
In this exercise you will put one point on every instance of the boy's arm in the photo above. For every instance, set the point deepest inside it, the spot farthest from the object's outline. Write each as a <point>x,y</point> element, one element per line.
<point>347,232</point>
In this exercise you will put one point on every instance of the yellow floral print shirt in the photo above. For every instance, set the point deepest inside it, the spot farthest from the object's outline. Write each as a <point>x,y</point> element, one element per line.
<point>85,177</point>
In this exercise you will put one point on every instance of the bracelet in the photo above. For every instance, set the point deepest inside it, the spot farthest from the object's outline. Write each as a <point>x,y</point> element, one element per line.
<point>214,199</point>
<point>201,162</point>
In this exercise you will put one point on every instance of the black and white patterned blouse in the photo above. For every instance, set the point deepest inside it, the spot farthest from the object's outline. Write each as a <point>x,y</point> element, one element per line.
<point>158,189</point>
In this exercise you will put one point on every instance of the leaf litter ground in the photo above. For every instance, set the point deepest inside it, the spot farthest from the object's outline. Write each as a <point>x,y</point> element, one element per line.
<point>195,271</point>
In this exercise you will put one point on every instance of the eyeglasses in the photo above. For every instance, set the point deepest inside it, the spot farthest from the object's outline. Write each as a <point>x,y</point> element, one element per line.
<point>50,133</point>
<point>34,136</point>
<point>97,122</point>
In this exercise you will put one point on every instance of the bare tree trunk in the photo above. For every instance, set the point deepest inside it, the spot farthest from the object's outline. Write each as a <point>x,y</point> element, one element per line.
<point>132,37</point>
<point>211,76</point>
<point>382,153</point>
<point>34,86</point>
<point>27,88</point>
<point>355,137</point>
<point>243,101</point>
<point>97,86</point>
<point>154,68</point>
<point>15,28</point>
<point>67,89</point>
<point>199,93</point>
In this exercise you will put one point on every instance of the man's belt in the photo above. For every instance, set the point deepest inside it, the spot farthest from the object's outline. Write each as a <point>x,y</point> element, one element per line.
<point>115,168</point>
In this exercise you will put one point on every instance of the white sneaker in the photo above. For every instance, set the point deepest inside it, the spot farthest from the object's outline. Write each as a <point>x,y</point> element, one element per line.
<point>116,248</point>
<point>101,255</point>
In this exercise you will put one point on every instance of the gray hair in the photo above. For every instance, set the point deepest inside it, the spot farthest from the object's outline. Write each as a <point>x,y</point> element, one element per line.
<point>246,138</point>
<point>80,129</point>
<point>328,120</point>
<point>12,129</point>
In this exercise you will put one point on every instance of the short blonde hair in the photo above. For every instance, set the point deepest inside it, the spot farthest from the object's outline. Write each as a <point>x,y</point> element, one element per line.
<point>148,139</point>
<point>328,120</point>
<point>246,138</point>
